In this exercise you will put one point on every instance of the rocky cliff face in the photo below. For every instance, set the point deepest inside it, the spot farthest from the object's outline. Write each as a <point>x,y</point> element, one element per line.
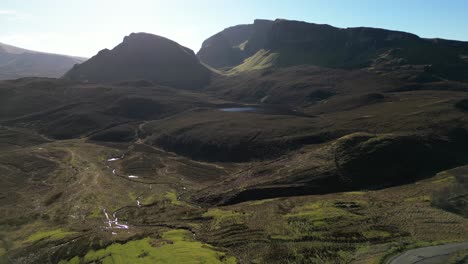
<point>225,48</point>
<point>283,43</point>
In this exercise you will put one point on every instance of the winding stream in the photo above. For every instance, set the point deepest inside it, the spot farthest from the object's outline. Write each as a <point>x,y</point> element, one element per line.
<point>113,222</point>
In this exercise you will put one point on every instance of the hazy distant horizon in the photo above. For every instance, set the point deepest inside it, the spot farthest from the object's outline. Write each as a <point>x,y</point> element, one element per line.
<point>82,28</point>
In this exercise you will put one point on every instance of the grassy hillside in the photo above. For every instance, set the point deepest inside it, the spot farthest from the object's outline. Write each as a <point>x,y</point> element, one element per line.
<point>56,214</point>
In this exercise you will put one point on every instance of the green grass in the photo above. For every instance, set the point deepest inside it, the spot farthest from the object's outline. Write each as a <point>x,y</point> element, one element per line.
<point>75,260</point>
<point>356,193</point>
<point>315,219</point>
<point>52,235</point>
<point>319,211</point>
<point>221,216</point>
<point>444,180</point>
<point>176,246</point>
<point>172,197</point>
<point>263,59</point>
<point>376,234</point>
<point>96,213</point>
<point>423,198</point>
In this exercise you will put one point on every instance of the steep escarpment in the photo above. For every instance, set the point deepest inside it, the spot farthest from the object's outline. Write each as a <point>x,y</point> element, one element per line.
<point>225,48</point>
<point>283,43</point>
<point>233,45</point>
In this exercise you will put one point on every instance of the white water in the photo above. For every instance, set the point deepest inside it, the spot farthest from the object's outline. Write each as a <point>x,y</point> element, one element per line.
<point>116,158</point>
<point>114,171</point>
<point>113,223</point>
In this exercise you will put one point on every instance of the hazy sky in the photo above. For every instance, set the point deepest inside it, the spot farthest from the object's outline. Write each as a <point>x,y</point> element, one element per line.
<point>83,27</point>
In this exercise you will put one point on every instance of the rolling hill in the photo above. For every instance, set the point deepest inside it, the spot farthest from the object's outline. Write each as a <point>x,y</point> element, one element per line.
<point>18,63</point>
<point>144,56</point>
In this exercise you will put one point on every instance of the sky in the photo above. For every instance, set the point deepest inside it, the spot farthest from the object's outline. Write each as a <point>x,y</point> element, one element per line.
<point>83,27</point>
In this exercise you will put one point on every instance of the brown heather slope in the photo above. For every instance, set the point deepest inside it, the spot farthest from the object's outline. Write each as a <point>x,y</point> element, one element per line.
<point>299,86</point>
<point>63,109</point>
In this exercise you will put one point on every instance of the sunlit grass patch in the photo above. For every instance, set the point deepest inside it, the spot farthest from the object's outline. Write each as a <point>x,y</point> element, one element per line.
<point>96,213</point>
<point>372,234</point>
<point>318,218</point>
<point>75,260</point>
<point>320,211</point>
<point>52,235</point>
<point>152,198</point>
<point>356,193</point>
<point>223,216</point>
<point>423,198</point>
<point>132,196</point>
<point>444,180</point>
<point>177,246</point>
<point>261,60</point>
<point>172,197</point>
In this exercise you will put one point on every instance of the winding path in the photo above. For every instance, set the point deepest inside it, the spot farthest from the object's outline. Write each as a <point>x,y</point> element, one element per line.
<point>428,255</point>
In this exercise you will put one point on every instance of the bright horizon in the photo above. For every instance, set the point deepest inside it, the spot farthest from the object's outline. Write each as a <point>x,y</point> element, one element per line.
<point>82,28</point>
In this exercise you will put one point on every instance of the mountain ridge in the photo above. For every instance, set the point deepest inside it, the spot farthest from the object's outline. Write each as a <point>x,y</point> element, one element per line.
<point>284,43</point>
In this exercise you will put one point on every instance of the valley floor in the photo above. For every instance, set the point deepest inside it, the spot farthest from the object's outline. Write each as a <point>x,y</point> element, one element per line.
<point>83,202</point>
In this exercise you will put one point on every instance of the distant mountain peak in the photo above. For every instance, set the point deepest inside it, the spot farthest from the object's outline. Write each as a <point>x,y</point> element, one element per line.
<point>18,63</point>
<point>144,56</point>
